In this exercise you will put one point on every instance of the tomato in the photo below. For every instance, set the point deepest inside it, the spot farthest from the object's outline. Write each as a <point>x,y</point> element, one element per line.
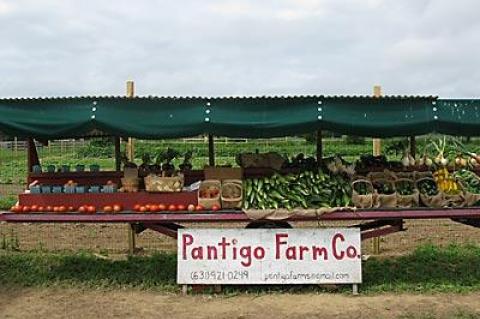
<point>215,208</point>
<point>191,207</point>
<point>142,209</point>
<point>172,207</point>
<point>82,209</point>
<point>62,209</point>
<point>15,209</point>
<point>117,208</point>
<point>71,209</point>
<point>34,208</point>
<point>199,208</point>
<point>148,206</point>
<point>108,209</point>
<point>181,207</point>
<point>41,209</point>
<point>48,209</point>
<point>153,208</point>
<point>26,209</point>
<point>162,207</point>
<point>55,209</point>
<point>91,209</point>
<point>137,208</point>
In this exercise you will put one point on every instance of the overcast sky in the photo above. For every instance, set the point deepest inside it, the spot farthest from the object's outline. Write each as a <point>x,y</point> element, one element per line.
<point>257,47</point>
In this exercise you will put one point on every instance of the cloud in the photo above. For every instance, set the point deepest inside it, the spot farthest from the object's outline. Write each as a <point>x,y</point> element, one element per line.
<point>248,47</point>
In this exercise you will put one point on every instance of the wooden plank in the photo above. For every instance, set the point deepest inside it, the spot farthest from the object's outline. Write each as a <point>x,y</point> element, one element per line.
<point>118,161</point>
<point>235,216</point>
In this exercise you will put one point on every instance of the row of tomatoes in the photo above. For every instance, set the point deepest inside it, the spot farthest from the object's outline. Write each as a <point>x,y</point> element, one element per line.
<point>153,208</point>
<point>63,209</point>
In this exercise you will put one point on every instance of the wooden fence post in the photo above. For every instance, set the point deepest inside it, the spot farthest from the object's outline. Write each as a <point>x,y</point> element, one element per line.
<point>377,151</point>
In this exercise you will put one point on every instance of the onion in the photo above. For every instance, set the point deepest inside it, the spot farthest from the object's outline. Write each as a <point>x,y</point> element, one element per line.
<point>458,161</point>
<point>421,161</point>
<point>473,162</point>
<point>411,160</point>
<point>405,161</point>
<point>444,161</point>
<point>428,161</point>
<point>463,162</point>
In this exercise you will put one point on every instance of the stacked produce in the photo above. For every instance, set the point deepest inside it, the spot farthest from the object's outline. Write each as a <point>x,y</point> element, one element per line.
<point>305,190</point>
<point>446,182</point>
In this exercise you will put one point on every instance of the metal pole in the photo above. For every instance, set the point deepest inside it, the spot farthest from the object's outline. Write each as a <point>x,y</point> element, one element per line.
<point>413,146</point>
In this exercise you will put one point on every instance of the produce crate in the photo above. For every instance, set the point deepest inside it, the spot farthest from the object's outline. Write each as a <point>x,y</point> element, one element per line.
<point>207,188</point>
<point>160,184</point>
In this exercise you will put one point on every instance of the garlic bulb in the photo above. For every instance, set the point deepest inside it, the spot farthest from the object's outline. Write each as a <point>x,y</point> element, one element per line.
<point>405,161</point>
<point>444,161</point>
<point>411,160</point>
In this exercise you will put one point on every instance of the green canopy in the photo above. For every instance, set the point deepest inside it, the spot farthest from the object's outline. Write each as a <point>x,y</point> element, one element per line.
<point>172,117</point>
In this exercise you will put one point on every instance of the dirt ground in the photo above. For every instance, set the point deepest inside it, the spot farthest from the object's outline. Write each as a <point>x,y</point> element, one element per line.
<point>112,238</point>
<point>70,303</point>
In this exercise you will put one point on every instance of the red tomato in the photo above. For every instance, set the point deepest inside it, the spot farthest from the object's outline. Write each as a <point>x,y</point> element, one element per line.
<point>49,209</point>
<point>71,209</point>
<point>215,208</point>
<point>26,209</point>
<point>41,209</point>
<point>199,208</point>
<point>34,208</point>
<point>55,209</point>
<point>91,209</point>
<point>108,209</point>
<point>15,209</point>
<point>62,209</point>
<point>117,208</point>
<point>148,206</point>
<point>172,207</point>
<point>181,207</point>
<point>162,207</point>
<point>142,209</point>
<point>82,209</point>
<point>153,208</point>
<point>137,208</point>
<point>191,208</point>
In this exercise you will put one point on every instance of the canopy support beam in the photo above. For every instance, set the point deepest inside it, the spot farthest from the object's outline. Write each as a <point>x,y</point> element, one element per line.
<point>118,162</point>
<point>319,147</point>
<point>413,146</point>
<point>32,155</point>
<point>211,150</point>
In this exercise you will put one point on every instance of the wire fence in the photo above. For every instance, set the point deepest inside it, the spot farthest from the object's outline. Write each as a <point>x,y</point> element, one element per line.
<point>113,239</point>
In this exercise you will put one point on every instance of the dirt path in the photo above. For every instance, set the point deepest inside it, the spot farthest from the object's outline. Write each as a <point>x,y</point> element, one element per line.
<point>71,303</point>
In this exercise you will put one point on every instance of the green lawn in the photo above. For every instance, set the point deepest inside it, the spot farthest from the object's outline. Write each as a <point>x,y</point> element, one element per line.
<point>452,269</point>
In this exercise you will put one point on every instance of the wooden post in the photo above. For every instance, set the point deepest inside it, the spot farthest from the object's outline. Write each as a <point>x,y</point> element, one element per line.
<point>377,151</point>
<point>130,142</point>
<point>32,156</point>
<point>131,157</point>
<point>211,150</point>
<point>116,141</point>
<point>413,146</point>
<point>319,147</point>
<point>377,143</point>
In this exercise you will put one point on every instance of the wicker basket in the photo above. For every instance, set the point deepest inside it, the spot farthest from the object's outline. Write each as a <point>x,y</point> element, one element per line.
<point>210,202</point>
<point>129,185</point>
<point>236,187</point>
<point>160,184</point>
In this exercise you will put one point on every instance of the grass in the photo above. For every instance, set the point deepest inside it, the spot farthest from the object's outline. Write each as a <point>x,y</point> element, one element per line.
<point>429,269</point>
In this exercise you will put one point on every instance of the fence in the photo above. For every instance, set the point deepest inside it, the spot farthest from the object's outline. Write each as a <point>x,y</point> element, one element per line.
<point>113,238</point>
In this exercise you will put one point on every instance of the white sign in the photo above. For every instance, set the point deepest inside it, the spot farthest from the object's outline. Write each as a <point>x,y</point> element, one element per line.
<point>269,256</point>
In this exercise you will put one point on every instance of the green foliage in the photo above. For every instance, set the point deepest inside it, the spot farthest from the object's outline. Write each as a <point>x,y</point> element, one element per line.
<point>355,140</point>
<point>7,202</point>
<point>428,269</point>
